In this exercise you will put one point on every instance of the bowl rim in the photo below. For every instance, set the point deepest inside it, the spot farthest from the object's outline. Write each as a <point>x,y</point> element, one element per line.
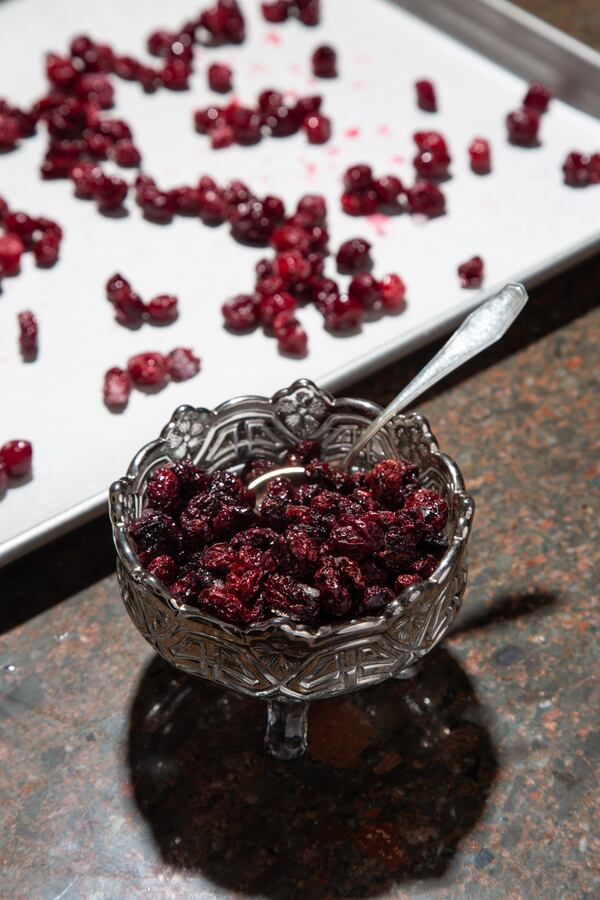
<point>130,562</point>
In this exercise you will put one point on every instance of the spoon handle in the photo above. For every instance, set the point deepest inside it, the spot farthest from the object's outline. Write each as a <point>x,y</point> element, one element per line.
<point>483,327</point>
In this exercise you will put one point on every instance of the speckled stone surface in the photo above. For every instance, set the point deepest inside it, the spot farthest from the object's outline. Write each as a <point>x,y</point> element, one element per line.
<point>120,778</point>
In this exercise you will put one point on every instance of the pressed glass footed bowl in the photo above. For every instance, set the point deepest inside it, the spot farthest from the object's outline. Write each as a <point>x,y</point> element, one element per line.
<point>285,664</point>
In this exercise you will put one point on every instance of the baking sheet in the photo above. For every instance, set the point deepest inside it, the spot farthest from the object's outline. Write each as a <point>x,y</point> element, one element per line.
<point>521,219</point>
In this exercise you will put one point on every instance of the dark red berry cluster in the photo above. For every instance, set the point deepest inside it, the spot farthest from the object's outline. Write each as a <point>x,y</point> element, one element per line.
<point>306,11</point>
<point>236,124</point>
<point>364,195</point>
<point>21,232</point>
<point>15,461</point>
<point>582,169</point>
<point>426,95</point>
<point>131,310</point>
<point>295,276</point>
<point>523,124</point>
<point>471,272</point>
<point>337,547</point>
<point>28,334</point>
<point>148,370</point>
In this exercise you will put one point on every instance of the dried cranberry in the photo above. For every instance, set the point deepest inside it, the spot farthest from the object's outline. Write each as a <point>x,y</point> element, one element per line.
<point>426,198</point>
<point>290,599</point>
<point>157,206</point>
<point>523,126</point>
<point>192,478</point>
<point>404,581</point>
<point>220,77</point>
<point>162,308</point>
<point>46,249</point>
<point>246,124</point>
<point>11,250</point>
<point>128,306</point>
<point>471,272</point>
<point>22,225</point>
<point>358,177</point>
<point>155,534</point>
<point>291,237</point>
<point>359,203</point>
<point>365,289</point>
<point>291,337</point>
<point>426,98</point>
<point>163,490</point>
<point>282,121</point>
<point>28,333</point>
<point>292,266</point>
<point>109,191</point>
<point>147,369</point>
<point>303,453</point>
<point>576,169</point>
<point>538,97</point>
<point>250,223</point>
<point>308,12</point>
<point>96,88</point>
<point>222,603</point>
<point>221,136</point>
<point>17,456</point>
<point>212,206</point>
<point>182,363</point>
<point>312,208</point>
<point>431,164</point>
<point>60,71</point>
<point>392,291</point>
<point>324,62</point>
<point>164,568</point>
<point>231,519</point>
<point>353,256</point>
<point>431,506</point>
<point>425,567</point>
<point>187,200</point>
<point>275,11</point>
<point>480,156</point>
<point>273,305</point>
<point>376,598</point>
<point>127,67</point>
<point>317,128</point>
<point>278,495</point>
<point>241,312</point>
<point>306,106</point>
<point>388,188</point>
<point>117,387</point>
<point>342,313</point>
<point>255,467</point>
<point>175,74</point>
<point>336,599</point>
<point>125,153</point>
<point>9,132</point>
<point>186,589</point>
<point>391,480</point>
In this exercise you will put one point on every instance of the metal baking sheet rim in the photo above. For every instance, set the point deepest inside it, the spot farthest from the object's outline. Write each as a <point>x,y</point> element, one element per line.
<point>94,506</point>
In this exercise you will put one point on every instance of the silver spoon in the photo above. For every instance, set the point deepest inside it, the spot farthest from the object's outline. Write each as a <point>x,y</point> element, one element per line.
<point>482,328</point>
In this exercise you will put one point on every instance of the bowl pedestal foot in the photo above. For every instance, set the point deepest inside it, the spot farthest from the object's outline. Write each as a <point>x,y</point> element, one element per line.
<point>287,728</point>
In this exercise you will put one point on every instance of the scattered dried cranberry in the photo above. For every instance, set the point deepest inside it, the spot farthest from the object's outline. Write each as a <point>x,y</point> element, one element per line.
<point>17,456</point>
<point>480,156</point>
<point>471,272</point>
<point>9,132</point>
<point>354,255</point>
<point>342,313</point>
<point>538,97</point>
<point>162,308</point>
<point>393,292</point>
<point>276,11</point>
<point>147,369</point>
<point>220,78</point>
<point>182,363</point>
<point>433,158</point>
<point>581,169</point>
<point>116,388</point>
<point>241,312</point>
<point>317,128</point>
<point>324,62</point>
<point>426,97</point>
<point>365,289</point>
<point>28,334</point>
<point>523,126</point>
<point>109,191</point>
<point>291,337</point>
<point>125,153</point>
<point>11,250</point>
<point>426,198</point>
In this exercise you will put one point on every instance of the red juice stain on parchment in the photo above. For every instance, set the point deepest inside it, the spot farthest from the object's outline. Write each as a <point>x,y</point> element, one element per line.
<point>271,37</point>
<point>352,132</point>
<point>380,223</point>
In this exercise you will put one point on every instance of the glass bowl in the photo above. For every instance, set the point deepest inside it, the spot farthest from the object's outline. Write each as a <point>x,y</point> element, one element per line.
<point>289,665</point>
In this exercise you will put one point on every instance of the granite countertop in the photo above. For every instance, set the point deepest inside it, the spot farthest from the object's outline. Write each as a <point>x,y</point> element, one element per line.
<point>479,778</point>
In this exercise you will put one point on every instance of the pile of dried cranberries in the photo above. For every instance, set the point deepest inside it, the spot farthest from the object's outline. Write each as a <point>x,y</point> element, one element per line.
<point>338,546</point>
